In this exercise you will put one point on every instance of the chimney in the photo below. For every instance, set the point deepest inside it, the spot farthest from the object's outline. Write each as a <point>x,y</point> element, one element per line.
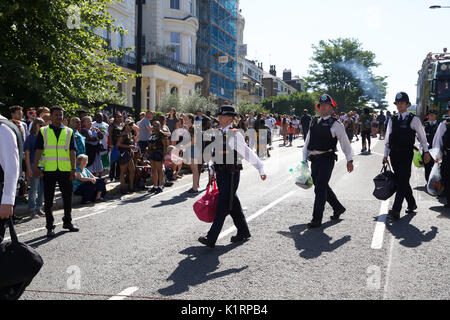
<point>273,71</point>
<point>287,75</point>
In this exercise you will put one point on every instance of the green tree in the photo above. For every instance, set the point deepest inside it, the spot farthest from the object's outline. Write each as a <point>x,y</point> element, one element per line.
<point>343,69</point>
<point>299,100</point>
<point>245,107</point>
<point>50,54</point>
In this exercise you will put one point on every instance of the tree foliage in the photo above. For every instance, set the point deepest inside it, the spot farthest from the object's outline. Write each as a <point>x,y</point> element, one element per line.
<point>343,69</point>
<point>50,54</point>
<point>299,100</point>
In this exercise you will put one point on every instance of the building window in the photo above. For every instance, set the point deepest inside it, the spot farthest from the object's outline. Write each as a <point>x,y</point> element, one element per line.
<point>191,7</point>
<point>191,53</point>
<point>121,40</point>
<point>175,4</point>
<point>175,41</point>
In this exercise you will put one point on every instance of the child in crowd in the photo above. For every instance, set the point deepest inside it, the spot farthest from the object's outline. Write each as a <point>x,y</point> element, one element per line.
<point>291,132</point>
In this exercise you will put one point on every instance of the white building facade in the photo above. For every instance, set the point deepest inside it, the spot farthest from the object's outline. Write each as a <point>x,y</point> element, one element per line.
<point>169,40</point>
<point>170,37</point>
<point>249,74</point>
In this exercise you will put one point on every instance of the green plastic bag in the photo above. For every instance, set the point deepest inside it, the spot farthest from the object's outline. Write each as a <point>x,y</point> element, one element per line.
<point>302,176</point>
<point>417,160</point>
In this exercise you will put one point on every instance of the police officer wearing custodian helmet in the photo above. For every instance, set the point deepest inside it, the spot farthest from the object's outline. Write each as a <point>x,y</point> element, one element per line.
<point>400,139</point>
<point>320,149</point>
<point>230,148</point>
<point>442,141</point>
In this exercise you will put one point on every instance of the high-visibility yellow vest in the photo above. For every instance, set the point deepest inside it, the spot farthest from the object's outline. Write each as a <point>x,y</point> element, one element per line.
<point>56,155</point>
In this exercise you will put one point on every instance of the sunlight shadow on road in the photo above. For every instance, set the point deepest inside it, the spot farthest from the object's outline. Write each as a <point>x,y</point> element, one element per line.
<point>313,242</point>
<point>410,236</point>
<point>198,267</point>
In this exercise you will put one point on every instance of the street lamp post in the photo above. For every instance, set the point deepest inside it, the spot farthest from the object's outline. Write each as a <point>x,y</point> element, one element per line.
<point>439,7</point>
<point>139,59</point>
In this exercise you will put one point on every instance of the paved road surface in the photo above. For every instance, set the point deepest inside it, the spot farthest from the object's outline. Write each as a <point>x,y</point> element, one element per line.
<point>146,247</point>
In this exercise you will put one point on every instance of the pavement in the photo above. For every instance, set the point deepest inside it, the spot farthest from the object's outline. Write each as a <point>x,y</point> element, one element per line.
<point>145,247</point>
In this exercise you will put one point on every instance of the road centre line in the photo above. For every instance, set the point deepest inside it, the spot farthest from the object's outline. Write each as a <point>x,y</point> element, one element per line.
<point>378,235</point>
<point>125,293</point>
<point>257,214</point>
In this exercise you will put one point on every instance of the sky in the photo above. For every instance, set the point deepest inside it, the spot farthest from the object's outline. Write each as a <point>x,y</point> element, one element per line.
<point>399,32</point>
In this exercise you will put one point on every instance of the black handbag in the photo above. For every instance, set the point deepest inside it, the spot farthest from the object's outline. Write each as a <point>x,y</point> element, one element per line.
<point>385,186</point>
<point>19,264</point>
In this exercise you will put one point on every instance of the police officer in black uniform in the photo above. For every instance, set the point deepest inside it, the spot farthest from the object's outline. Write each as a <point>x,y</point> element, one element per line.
<point>11,155</point>
<point>320,149</point>
<point>442,141</point>
<point>229,149</point>
<point>400,139</point>
<point>431,126</point>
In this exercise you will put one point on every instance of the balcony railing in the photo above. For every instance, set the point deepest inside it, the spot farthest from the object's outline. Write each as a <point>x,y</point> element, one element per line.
<point>252,89</point>
<point>126,61</point>
<point>172,64</point>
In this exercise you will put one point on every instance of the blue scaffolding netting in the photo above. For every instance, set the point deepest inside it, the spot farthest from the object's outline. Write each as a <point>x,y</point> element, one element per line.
<point>217,38</point>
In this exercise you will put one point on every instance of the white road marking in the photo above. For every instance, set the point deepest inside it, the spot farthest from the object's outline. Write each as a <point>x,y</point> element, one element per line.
<point>257,214</point>
<point>377,240</point>
<point>388,271</point>
<point>125,293</point>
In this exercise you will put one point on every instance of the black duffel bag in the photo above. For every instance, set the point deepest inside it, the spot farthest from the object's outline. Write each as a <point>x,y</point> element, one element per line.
<point>384,184</point>
<point>19,264</point>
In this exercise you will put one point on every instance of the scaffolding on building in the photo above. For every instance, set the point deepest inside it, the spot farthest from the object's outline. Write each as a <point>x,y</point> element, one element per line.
<point>216,40</point>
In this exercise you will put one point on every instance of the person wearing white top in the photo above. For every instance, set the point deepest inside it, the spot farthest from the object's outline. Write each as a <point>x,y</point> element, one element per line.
<point>229,148</point>
<point>400,139</point>
<point>320,147</point>
<point>442,141</point>
<point>9,172</point>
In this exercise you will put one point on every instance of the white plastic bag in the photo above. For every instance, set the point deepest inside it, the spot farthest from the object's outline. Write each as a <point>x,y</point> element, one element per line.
<point>436,153</point>
<point>302,176</point>
<point>435,186</point>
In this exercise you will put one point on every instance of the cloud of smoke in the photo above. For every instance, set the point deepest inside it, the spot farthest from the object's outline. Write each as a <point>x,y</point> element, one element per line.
<point>363,76</point>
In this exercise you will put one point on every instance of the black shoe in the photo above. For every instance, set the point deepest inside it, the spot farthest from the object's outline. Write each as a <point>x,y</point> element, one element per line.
<point>193,191</point>
<point>206,242</point>
<point>313,225</point>
<point>240,238</point>
<point>152,190</point>
<point>447,206</point>
<point>337,214</point>
<point>158,190</point>
<point>411,210</point>
<point>50,233</point>
<point>394,214</point>
<point>71,227</point>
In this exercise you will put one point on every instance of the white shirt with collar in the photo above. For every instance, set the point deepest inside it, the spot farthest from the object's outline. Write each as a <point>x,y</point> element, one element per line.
<point>416,125</point>
<point>437,142</point>
<point>238,144</point>
<point>9,161</point>
<point>337,131</point>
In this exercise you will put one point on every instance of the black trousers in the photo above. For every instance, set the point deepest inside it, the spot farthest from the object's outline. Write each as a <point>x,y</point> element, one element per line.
<point>66,187</point>
<point>445,173</point>
<point>401,164</point>
<point>428,167</point>
<point>226,190</point>
<point>321,170</point>
<point>88,190</point>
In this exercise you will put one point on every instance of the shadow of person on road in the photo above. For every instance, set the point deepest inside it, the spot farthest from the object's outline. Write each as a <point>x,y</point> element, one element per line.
<point>37,242</point>
<point>198,267</point>
<point>411,236</point>
<point>444,213</point>
<point>185,196</point>
<point>313,242</point>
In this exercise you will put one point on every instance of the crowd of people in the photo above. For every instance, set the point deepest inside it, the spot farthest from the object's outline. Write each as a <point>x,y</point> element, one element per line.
<point>157,150</point>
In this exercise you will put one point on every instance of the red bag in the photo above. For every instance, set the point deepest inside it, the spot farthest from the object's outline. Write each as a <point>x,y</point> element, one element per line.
<point>205,208</point>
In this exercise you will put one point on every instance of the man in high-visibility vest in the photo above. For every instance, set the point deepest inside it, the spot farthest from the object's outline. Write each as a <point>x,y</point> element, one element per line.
<point>55,143</point>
